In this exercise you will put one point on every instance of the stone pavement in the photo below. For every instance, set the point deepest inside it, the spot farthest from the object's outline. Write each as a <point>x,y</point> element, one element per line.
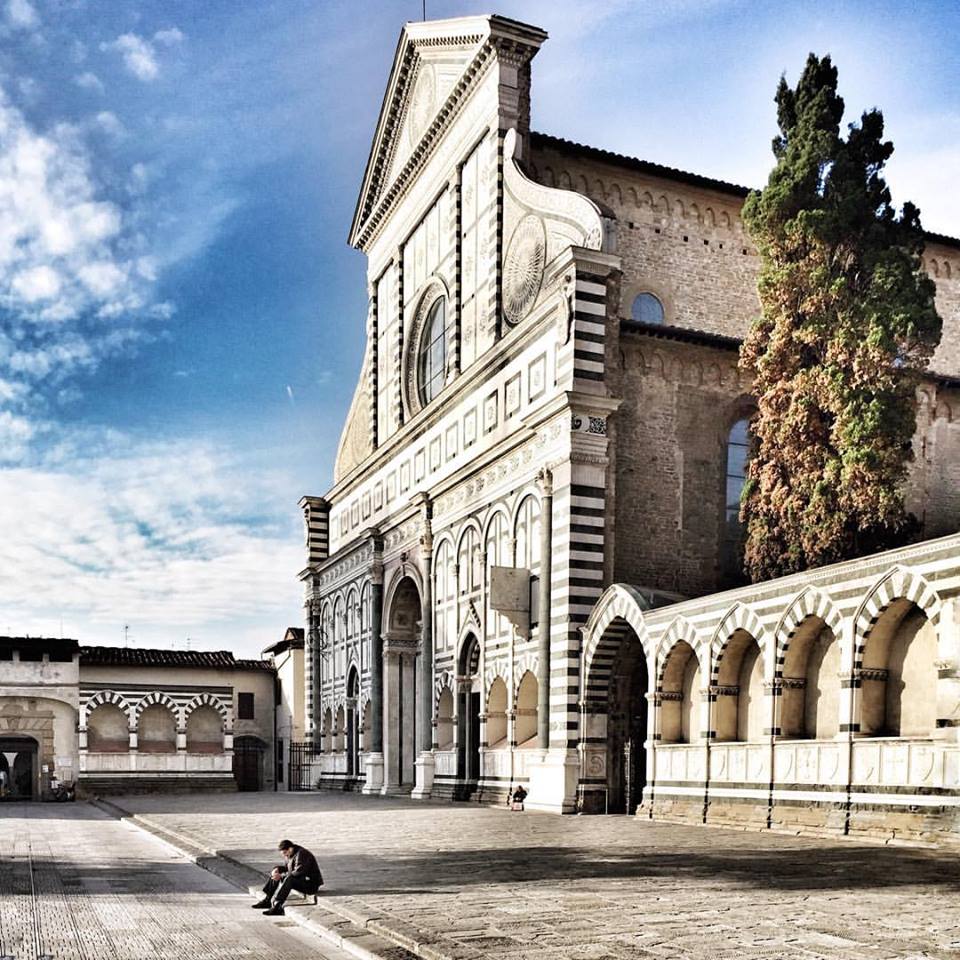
<point>461,881</point>
<point>76,884</point>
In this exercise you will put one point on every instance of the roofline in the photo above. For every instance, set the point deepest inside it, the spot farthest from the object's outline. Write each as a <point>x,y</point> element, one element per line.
<point>663,331</point>
<point>672,173</point>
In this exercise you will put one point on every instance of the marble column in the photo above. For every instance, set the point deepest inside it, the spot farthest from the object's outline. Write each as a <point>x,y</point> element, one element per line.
<point>425,758</point>
<point>373,761</point>
<point>545,480</point>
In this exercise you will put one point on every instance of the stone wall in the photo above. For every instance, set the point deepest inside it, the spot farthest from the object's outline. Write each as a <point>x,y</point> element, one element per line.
<point>683,241</point>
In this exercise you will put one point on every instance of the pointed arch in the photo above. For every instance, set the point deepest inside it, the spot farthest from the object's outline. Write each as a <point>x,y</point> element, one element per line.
<point>738,617</point>
<point>619,600</point>
<point>898,583</point>
<point>679,629</point>
<point>809,602</point>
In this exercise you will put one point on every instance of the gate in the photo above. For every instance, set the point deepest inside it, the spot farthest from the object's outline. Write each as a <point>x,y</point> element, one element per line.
<point>300,770</point>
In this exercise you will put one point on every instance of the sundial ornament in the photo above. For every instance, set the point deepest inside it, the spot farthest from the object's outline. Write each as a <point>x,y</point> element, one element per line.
<point>422,103</point>
<point>523,269</point>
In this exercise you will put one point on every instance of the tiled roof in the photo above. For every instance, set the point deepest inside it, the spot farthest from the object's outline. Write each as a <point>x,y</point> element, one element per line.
<point>139,657</point>
<point>545,141</point>
<point>41,644</point>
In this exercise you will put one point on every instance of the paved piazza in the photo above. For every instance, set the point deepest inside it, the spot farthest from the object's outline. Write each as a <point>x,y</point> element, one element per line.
<point>481,882</point>
<point>76,884</point>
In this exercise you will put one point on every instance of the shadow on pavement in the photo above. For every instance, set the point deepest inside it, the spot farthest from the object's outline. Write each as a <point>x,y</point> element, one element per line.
<point>840,868</point>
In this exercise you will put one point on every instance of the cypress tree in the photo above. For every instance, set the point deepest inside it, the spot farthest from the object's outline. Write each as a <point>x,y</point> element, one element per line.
<point>848,324</point>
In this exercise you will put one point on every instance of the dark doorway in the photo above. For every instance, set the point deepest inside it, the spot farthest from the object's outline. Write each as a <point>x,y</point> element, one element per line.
<point>248,763</point>
<point>468,719</point>
<point>353,728</point>
<point>627,727</point>
<point>18,768</point>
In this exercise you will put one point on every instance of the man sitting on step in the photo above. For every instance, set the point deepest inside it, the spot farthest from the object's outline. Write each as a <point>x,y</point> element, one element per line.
<point>299,872</point>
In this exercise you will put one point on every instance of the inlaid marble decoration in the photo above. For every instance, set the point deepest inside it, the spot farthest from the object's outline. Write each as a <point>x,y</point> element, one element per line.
<point>537,377</point>
<point>419,465</point>
<point>469,428</point>
<point>435,457</point>
<point>511,396</point>
<point>451,442</point>
<point>490,412</point>
<point>405,476</point>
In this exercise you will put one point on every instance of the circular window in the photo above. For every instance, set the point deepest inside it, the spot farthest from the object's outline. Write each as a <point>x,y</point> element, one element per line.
<point>432,358</point>
<point>647,308</point>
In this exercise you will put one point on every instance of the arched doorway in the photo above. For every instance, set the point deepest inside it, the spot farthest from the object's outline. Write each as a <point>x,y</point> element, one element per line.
<point>248,763</point>
<point>614,762</point>
<point>468,718</point>
<point>400,650</point>
<point>18,768</point>
<point>627,726</point>
<point>353,727</point>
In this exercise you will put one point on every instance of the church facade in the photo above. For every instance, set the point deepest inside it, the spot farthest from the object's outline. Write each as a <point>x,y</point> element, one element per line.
<point>536,489</point>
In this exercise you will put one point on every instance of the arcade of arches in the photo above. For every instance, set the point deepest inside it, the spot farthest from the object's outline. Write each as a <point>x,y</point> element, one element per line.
<point>704,711</point>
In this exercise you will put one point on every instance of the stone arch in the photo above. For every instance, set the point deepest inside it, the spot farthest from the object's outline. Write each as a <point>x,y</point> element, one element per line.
<point>405,571</point>
<point>619,601</point>
<point>207,700</point>
<point>679,683</point>
<point>738,617</point>
<point>105,696</point>
<point>158,698</point>
<point>679,629</point>
<point>444,712</point>
<point>810,602</point>
<point>898,583</point>
<point>497,704</point>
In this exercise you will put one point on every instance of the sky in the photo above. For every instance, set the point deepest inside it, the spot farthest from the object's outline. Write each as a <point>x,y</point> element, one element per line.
<point>181,319</point>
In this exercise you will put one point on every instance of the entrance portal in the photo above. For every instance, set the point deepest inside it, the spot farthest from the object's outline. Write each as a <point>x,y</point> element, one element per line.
<point>627,727</point>
<point>18,768</point>
<point>400,650</point>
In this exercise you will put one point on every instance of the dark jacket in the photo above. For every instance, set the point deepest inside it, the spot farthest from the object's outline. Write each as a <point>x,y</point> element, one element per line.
<point>301,865</point>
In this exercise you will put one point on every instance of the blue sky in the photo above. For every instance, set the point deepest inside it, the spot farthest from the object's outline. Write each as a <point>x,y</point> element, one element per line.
<point>181,320</point>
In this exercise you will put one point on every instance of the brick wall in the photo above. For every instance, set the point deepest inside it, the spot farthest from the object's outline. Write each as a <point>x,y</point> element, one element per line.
<point>670,434</point>
<point>685,243</point>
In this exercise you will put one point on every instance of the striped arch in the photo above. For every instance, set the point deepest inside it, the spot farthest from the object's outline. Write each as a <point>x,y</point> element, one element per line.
<point>105,696</point>
<point>897,583</point>
<point>738,617</point>
<point>158,698</point>
<point>496,508</point>
<point>491,677</point>
<point>810,602</point>
<point>680,629</point>
<point>618,610</point>
<point>207,700</point>
<point>529,492</point>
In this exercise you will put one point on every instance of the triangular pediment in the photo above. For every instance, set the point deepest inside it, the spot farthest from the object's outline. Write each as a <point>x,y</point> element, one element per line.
<point>432,59</point>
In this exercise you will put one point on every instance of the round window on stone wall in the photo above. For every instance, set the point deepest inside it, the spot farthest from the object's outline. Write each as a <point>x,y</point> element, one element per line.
<point>647,308</point>
<point>432,358</point>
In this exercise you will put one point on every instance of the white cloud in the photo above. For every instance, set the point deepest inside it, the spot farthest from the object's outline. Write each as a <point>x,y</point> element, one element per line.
<point>170,37</point>
<point>109,123</point>
<point>156,535</point>
<point>138,54</point>
<point>74,283</point>
<point>21,15</point>
<point>89,81</point>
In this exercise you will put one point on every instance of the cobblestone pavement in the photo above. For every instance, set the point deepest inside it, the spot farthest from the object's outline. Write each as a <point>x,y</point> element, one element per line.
<point>478,882</point>
<point>76,884</point>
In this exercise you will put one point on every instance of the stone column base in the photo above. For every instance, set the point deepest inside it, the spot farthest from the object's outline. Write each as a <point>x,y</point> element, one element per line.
<point>554,776</point>
<point>424,786</point>
<point>373,771</point>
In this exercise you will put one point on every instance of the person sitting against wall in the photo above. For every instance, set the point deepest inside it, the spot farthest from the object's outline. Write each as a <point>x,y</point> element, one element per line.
<point>516,798</point>
<point>299,872</point>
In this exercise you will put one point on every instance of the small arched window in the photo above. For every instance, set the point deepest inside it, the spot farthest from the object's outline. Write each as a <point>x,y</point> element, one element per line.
<point>647,308</point>
<point>738,450</point>
<point>432,358</point>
